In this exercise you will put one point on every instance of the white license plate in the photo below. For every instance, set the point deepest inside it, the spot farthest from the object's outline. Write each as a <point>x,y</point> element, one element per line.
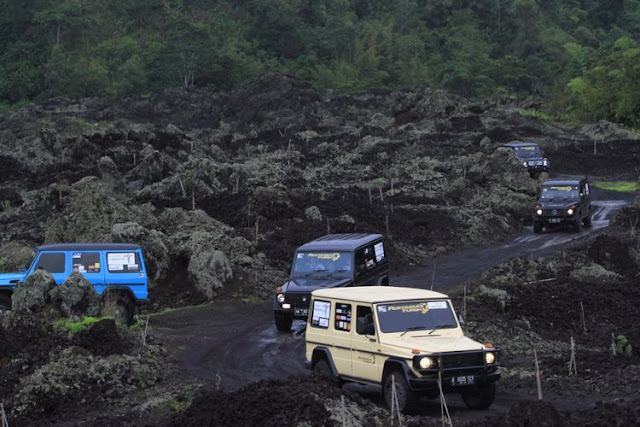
<point>554,220</point>
<point>463,380</point>
<point>301,311</point>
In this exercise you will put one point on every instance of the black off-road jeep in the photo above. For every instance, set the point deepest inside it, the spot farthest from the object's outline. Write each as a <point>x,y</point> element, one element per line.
<point>563,202</point>
<point>331,261</point>
<point>531,156</point>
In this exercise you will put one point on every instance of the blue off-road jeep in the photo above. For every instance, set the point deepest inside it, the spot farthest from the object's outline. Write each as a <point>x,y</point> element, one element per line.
<point>116,271</point>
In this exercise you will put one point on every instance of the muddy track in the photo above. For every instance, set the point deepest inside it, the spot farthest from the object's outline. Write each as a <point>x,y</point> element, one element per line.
<point>230,344</point>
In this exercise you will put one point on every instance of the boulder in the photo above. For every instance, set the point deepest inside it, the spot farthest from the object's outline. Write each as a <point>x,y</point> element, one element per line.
<point>76,296</point>
<point>33,294</point>
<point>210,270</point>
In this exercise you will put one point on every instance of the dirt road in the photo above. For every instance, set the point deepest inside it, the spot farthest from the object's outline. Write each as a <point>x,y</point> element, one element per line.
<point>230,343</point>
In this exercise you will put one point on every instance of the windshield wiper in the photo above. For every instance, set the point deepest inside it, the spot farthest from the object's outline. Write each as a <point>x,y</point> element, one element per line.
<point>414,328</point>
<point>446,325</point>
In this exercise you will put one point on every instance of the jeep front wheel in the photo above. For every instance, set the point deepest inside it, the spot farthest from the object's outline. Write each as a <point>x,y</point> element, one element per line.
<point>5,303</point>
<point>537,227</point>
<point>577,225</point>
<point>323,371</point>
<point>283,322</point>
<point>406,399</point>
<point>588,221</point>
<point>480,397</point>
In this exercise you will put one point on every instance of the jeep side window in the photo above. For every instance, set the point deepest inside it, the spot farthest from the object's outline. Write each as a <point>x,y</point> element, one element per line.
<point>365,321</point>
<point>365,259</point>
<point>343,317</point>
<point>320,314</point>
<point>86,262</point>
<point>123,262</point>
<point>51,262</point>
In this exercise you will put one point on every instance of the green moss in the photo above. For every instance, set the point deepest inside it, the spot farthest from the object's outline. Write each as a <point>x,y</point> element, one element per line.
<point>76,327</point>
<point>621,186</point>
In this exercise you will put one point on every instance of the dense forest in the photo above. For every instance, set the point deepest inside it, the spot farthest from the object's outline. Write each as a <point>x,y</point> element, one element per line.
<point>581,56</point>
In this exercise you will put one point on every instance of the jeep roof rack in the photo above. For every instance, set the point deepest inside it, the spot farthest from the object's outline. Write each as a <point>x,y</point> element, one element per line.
<point>378,294</point>
<point>86,246</point>
<point>346,242</point>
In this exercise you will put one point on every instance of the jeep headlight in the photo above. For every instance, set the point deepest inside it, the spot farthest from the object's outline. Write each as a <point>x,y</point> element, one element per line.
<point>525,164</point>
<point>545,162</point>
<point>280,298</point>
<point>426,362</point>
<point>539,211</point>
<point>570,211</point>
<point>489,358</point>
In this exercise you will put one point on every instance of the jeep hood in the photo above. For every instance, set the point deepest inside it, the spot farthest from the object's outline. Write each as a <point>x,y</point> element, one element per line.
<point>308,284</point>
<point>432,343</point>
<point>565,204</point>
<point>11,278</point>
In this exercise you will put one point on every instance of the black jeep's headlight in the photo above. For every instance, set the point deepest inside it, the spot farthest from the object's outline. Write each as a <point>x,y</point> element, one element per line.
<point>539,211</point>
<point>280,298</point>
<point>570,211</point>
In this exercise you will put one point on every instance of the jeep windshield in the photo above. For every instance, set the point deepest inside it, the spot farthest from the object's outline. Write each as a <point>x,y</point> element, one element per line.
<point>559,193</point>
<point>322,264</point>
<point>528,152</point>
<point>416,316</point>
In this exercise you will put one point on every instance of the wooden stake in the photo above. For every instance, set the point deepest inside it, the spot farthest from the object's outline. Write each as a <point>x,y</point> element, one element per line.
<point>464,303</point>
<point>381,198</point>
<point>613,343</point>
<point>582,318</point>
<point>370,197</point>
<point>344,416</point>
<point>3,416</point>
<point>538,380</point>
<point>573,367</point>
<point>433,275</point>
<point>386,221</point>
<point>444,409</point>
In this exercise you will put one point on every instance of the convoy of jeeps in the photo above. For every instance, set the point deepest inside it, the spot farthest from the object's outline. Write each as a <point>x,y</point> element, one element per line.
<point>408,342</point>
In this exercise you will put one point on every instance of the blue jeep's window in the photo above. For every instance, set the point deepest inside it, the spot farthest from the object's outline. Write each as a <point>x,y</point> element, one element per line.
<point>123,262</point>
<point>51,262</point>
<point>86,262</point>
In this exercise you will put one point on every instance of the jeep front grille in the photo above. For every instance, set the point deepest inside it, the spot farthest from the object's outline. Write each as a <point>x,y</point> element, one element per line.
<point>462,360</point>
<point>298,299</point>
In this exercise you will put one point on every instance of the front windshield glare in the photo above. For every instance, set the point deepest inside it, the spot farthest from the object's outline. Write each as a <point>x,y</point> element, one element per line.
<point>416,315</point>
<point>560,192</point>
<point>322,262</point>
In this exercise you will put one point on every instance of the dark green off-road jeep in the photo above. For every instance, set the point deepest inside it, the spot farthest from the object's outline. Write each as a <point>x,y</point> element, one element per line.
<point>563,202</point>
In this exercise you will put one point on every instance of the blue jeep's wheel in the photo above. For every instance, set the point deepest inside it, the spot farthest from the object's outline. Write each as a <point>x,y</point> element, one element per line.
<point>5,303</point>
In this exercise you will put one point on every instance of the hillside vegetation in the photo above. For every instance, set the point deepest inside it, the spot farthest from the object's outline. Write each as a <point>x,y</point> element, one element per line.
<point>581,56</point>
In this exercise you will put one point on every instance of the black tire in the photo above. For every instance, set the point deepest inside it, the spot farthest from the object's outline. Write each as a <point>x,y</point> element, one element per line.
<point>537,227</point>
<point>120,307</point>
<point>5,303</point>
<point>480,397</point>
<point>283,322</point>
<point>588,221</point>
<point>407,399</point>
<point>577,226</point>
<point>322,370</point>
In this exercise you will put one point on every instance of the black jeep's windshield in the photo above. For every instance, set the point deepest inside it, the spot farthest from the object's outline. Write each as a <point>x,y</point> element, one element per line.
<point>528,152</point>
<point>311,264</point>
<point>416,315</point>
<point>559,193</point>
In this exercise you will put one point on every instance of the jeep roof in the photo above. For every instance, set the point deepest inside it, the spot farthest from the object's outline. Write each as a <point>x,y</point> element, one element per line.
<point>377,294</point>
<point>340,242</point>
<point>86,246</point>
<point>520,144</point>
<point>571,181</point>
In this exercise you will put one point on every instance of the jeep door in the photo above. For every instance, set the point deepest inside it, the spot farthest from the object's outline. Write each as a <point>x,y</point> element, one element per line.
<point>126,269</point>
<point>371,266</point>
<point>91,265</point>
<point>365,360</point>
<point>55,262</point>
<point>341,338</point>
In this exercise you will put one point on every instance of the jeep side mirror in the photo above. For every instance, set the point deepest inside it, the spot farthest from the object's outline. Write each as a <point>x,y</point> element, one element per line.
<point>460,319</point>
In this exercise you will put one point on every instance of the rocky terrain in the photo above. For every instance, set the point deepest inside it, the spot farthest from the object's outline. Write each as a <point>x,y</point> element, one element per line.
<point>220,188</point>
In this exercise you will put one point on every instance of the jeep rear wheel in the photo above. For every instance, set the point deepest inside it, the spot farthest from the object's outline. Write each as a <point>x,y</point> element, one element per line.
<point>283,322</point>
<point>5,303</point>
<point>406,399</point>
<point>480,397</point>
<point>120,307</point>
<point>322,370</point>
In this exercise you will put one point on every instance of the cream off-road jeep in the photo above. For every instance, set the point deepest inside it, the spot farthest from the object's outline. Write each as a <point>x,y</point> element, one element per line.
<point>402,338</point>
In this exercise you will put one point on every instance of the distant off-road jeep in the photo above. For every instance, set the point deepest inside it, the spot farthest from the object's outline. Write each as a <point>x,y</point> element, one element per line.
<point>334,260</point>
<point>531,156</point>
<point>563,202</point>
<point>398,338</point>
<point>116,271</point>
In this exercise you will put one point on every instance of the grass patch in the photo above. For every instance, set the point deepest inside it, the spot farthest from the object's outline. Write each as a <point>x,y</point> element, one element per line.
<point>621,186</point>
<point>76,327</point>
